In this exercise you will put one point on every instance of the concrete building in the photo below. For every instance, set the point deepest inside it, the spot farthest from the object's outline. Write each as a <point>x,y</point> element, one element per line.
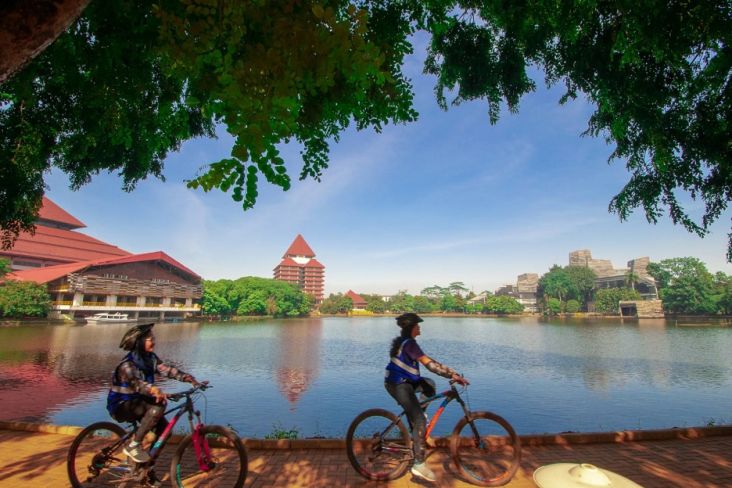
<point>299,266</point>
<point>526,287</point>
<point>611,277</point>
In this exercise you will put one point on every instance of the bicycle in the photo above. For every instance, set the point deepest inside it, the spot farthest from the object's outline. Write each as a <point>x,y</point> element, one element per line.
<point>484,447</point>
<point>211,455</point>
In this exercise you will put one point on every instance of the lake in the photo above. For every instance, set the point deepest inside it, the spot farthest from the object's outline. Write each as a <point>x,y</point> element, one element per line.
<point>314,375</point>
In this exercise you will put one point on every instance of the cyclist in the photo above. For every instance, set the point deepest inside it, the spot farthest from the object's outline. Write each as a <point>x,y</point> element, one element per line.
<point>403,381</point>
<point>133,395</point>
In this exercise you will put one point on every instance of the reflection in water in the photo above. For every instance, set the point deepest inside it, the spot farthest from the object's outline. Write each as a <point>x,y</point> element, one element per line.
<point>317,374</point>
<point>298,358</point>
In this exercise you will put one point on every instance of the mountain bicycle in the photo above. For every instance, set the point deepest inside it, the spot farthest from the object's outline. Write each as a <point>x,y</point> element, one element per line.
<point>484,447</point>
<point>211,455</point>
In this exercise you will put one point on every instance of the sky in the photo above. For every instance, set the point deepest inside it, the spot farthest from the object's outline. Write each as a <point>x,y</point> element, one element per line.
<point>447,198</point>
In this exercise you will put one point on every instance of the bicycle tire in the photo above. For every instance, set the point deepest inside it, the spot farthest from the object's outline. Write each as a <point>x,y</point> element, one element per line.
<point>80,466</point>
<point>491,460</point>
<point>227,452</point>
<point>364,437</point>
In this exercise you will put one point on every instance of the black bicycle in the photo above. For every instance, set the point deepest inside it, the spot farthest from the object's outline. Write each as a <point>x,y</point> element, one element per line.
<point>484,447</point>
<point>211,455</point>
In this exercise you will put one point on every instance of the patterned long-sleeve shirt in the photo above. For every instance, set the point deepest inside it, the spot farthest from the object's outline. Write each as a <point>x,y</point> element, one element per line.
<point>128,373</point>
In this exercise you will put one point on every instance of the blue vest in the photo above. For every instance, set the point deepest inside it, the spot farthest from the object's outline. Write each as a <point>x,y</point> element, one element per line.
<point>121,392</point>
<point>402,369</point>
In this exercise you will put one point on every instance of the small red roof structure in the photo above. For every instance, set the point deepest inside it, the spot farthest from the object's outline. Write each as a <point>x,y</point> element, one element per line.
<point>299,248</point>
<point>358,301</point>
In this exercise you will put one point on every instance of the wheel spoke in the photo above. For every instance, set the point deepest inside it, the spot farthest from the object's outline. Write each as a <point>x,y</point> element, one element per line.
<point>378,447</point>
<point>492,458</point>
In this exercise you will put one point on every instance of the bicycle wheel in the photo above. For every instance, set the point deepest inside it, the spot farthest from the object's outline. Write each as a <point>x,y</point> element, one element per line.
<point>95,457</point>
<point>378,444</point>
<point>485,449</point>
<point>225,467</point>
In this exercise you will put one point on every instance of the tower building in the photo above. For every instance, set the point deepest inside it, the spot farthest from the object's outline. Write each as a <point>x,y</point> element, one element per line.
<point>299,267</point>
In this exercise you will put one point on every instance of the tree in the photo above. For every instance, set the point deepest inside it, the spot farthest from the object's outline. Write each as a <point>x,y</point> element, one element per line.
<point>723,292</point>
<point>631,279</point>
<point>685,285</point>
<point>336,304</point>
<point>254,296</point>
<point>582,281</point>
<point>457,288</point>
<point>374,303</point>
<point>502,305</point>
<point>555,283</point>
<point>276,71</point>
<point>20,299</point>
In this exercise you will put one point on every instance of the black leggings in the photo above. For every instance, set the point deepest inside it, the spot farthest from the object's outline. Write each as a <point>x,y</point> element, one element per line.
<point>404,394</point>
<point>146,411</point>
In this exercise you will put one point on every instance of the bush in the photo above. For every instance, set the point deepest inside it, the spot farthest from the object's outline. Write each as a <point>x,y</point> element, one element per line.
<point>20,299</point>
<point>607,299</point>
<point>572,306</point>
<point>553,306</point>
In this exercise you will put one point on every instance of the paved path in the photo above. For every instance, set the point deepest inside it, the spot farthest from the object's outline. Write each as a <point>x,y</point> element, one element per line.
<point>37,460</point>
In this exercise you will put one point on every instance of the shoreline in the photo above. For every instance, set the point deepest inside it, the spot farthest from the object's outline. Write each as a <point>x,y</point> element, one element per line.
<point>527,440</point>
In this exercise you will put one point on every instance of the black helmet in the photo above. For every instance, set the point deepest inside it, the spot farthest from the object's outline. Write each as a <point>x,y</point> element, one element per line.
<point>408,319</point>
<point>133,334</point>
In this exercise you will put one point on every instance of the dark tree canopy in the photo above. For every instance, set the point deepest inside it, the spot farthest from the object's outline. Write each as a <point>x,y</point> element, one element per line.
<point>130,81</point>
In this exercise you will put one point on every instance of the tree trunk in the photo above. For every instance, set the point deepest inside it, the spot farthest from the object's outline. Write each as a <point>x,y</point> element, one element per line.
<point>27,27</point>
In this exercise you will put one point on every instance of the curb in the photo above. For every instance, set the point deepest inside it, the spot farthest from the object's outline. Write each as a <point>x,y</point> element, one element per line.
<point>531,440</point>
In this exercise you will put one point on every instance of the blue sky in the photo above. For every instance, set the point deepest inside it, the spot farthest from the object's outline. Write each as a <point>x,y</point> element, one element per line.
<point>448,198</point>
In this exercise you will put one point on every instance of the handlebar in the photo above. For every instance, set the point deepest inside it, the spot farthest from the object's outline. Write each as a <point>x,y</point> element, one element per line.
<point>174,397</point>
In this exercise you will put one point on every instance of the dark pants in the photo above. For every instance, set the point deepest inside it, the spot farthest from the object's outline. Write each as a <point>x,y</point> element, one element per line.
<point>404,394</point>
<point>147,412</point>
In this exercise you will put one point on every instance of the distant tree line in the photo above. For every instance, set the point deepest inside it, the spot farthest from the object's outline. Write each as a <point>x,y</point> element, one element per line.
<point>254,296</point>
<point>452,298</point>
<point>684,284</point>
<point>20,299</point>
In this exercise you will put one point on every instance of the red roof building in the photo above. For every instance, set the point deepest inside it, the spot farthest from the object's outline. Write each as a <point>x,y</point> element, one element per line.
<point>86,276</point>
<point>55,242</point>
<point>299,267</point>
<point>358,302</point>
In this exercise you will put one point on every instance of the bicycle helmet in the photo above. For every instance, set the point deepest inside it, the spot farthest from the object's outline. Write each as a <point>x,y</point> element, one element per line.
<point>133,334</point>
<point>408,319</point>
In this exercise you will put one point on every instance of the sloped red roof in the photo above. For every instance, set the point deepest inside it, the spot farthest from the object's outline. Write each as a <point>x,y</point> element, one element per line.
<point>288,262</point>
<point>299,248</point>
<point>51,211</point>
<point>314,263</point>
<point>62,245</point>
<point>50,273</point>
<point>355,297</point>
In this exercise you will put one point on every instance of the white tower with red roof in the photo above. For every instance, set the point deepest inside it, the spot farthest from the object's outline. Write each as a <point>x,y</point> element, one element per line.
<point>299,267</point>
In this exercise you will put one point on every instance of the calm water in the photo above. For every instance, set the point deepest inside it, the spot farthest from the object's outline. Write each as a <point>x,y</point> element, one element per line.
<point>315,375</point>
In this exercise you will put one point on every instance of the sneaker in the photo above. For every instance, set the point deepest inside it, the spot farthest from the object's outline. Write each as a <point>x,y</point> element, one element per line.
<point>152,480</point>
<point>421,470</point>
<point>137,453</point>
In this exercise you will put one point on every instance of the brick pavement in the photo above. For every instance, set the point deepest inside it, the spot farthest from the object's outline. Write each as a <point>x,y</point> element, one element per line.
<point>34,459</point>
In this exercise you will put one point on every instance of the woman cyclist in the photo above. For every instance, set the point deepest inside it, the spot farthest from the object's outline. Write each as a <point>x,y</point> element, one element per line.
<point>402,381</point>
<point>133,395</point>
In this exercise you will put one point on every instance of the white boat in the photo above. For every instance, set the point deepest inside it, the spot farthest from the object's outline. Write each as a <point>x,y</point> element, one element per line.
<point>109,318</point>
